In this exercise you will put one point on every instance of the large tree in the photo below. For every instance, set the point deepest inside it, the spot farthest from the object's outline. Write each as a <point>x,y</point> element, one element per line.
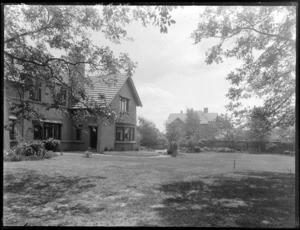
<point>259,124</point>
<point>50,43</point>
<point>150,135</point>
<point>263,38</point>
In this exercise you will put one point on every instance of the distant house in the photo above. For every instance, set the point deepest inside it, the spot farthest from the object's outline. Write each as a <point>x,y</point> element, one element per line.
<point>206,120</point>
<point>121,95</point>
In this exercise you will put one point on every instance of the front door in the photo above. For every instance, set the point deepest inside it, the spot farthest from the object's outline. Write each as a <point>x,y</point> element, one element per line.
<point>93,137</point>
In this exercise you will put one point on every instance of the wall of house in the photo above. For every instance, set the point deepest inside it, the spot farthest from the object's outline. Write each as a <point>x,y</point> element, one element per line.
<point>108,133</point>
<point>24,127</point>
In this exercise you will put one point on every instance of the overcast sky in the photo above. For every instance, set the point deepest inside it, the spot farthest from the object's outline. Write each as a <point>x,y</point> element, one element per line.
<point>172,74</point>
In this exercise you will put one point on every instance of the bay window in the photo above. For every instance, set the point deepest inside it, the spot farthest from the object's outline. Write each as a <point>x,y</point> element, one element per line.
<point>124,133</point>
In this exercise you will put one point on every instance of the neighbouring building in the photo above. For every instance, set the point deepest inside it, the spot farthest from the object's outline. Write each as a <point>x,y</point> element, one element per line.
<point>206,121</point>
<point>121,96</point>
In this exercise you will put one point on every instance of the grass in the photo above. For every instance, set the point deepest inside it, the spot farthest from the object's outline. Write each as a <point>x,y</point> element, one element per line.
<point>190,190</point>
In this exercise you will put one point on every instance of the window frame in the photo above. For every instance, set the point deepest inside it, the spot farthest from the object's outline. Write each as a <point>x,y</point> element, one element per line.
<point>125,136</point>
<point>12,131</point>
<point>124,104</point>
<point>46,130</point>
<point>62,97</point>
<point>35,93</point>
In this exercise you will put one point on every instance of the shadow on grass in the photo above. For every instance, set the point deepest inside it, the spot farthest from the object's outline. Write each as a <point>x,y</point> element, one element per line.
<point>30,191</point>
<point>248,200</point>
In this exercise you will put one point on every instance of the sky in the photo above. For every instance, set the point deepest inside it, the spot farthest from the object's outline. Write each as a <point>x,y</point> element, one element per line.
<point>171,74</point>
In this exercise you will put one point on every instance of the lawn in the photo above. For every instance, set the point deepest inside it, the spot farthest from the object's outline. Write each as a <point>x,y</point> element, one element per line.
<point>202,190</point>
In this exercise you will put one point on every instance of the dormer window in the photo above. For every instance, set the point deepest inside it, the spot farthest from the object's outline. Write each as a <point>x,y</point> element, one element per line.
<point>124,104</point>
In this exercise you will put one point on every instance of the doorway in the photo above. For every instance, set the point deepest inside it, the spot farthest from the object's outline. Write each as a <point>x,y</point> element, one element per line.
<point>93,137</point>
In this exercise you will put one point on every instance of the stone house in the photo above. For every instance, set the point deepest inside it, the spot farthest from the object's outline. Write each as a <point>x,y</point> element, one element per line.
<point>74,136</point>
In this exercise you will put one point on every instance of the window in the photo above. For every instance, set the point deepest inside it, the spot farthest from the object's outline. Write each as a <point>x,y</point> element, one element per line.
<point>62,97</point>
<point>35,93</point>
<point>125,133</point>
<point>78,132</point>
<point>43,131</point>
<point>12,132</point>
<point>124,104</point>
<point>37,131</point>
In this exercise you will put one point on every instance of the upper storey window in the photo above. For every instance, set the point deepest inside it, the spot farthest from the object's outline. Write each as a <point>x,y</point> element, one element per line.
<point>124,104</point>
<point>35,93</point>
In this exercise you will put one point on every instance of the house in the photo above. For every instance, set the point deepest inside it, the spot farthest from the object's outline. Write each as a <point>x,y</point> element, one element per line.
<point>121,95</point>
<point>206,121</point>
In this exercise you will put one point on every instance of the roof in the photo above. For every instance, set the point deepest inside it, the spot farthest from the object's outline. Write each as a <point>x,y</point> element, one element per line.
<point>109,88</point>
<point>205,118</point>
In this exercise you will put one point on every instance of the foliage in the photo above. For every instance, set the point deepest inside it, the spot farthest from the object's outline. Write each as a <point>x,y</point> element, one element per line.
<point>87,153</point>
<point>174,130</point>
<point>28,152</point>
<point>224,127</point>
<point>192,125</point>
<point>149,133</point>
<point>271,147</point>
<point>263,38</point>
<point>50,154</point>
<point>224,150</point>
<point>283,134</point>
<point>259,124</point>
<point>52,45</point>
<point>52,144</point>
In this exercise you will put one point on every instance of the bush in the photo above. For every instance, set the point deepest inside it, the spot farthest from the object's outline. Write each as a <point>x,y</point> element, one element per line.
<point>224,150</point>
<point>271,147</point>
<point>28,151</point>
<point>52,144</point>
<point>197,149</point>
<point>50,154</point>
<point>169,151</point>
<point>11,156</point>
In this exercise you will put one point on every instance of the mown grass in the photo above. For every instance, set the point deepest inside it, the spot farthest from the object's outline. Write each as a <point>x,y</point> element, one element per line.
<point>190,190</point>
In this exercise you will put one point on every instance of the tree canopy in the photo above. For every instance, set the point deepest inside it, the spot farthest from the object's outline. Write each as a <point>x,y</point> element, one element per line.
<point>150,135</point>
<point>264,39</point>
<point>50,43</point>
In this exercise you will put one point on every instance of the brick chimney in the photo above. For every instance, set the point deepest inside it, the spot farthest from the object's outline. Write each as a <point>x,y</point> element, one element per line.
<point>205,110</point>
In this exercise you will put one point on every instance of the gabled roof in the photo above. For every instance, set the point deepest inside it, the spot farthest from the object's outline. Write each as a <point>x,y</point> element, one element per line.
<point>205,118</point>
<point>109,89</point>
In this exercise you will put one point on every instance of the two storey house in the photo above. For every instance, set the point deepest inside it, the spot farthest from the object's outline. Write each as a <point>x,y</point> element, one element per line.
<point>73,135</point>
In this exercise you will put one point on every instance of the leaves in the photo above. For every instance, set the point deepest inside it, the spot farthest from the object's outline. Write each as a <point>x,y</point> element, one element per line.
<point>52,44</point>
<point>264,39</point>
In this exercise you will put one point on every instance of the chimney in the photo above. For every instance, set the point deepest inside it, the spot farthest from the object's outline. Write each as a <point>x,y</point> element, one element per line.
<point>181,111</point>
<point>205,110</point>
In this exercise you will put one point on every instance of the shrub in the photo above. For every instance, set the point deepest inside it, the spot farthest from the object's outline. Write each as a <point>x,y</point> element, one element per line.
<point>13,157</point>
<point>87,153</point>
<point>271,147</point>
<point>197,149</point>
<point>52,145</point>
<point>106,148</point>
<point>169,151</point>
<point>50,154</point>
<point>224,150</point>
<point>28,151</point>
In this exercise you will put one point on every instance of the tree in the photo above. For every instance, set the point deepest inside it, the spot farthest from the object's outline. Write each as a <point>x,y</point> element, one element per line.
<point>149,133</point>
<point>224,128</point>
<point>50,44</point>
<point>263,38</point>
<point>174,131</point>
<point>192,124</point>
<point>259,124</point>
